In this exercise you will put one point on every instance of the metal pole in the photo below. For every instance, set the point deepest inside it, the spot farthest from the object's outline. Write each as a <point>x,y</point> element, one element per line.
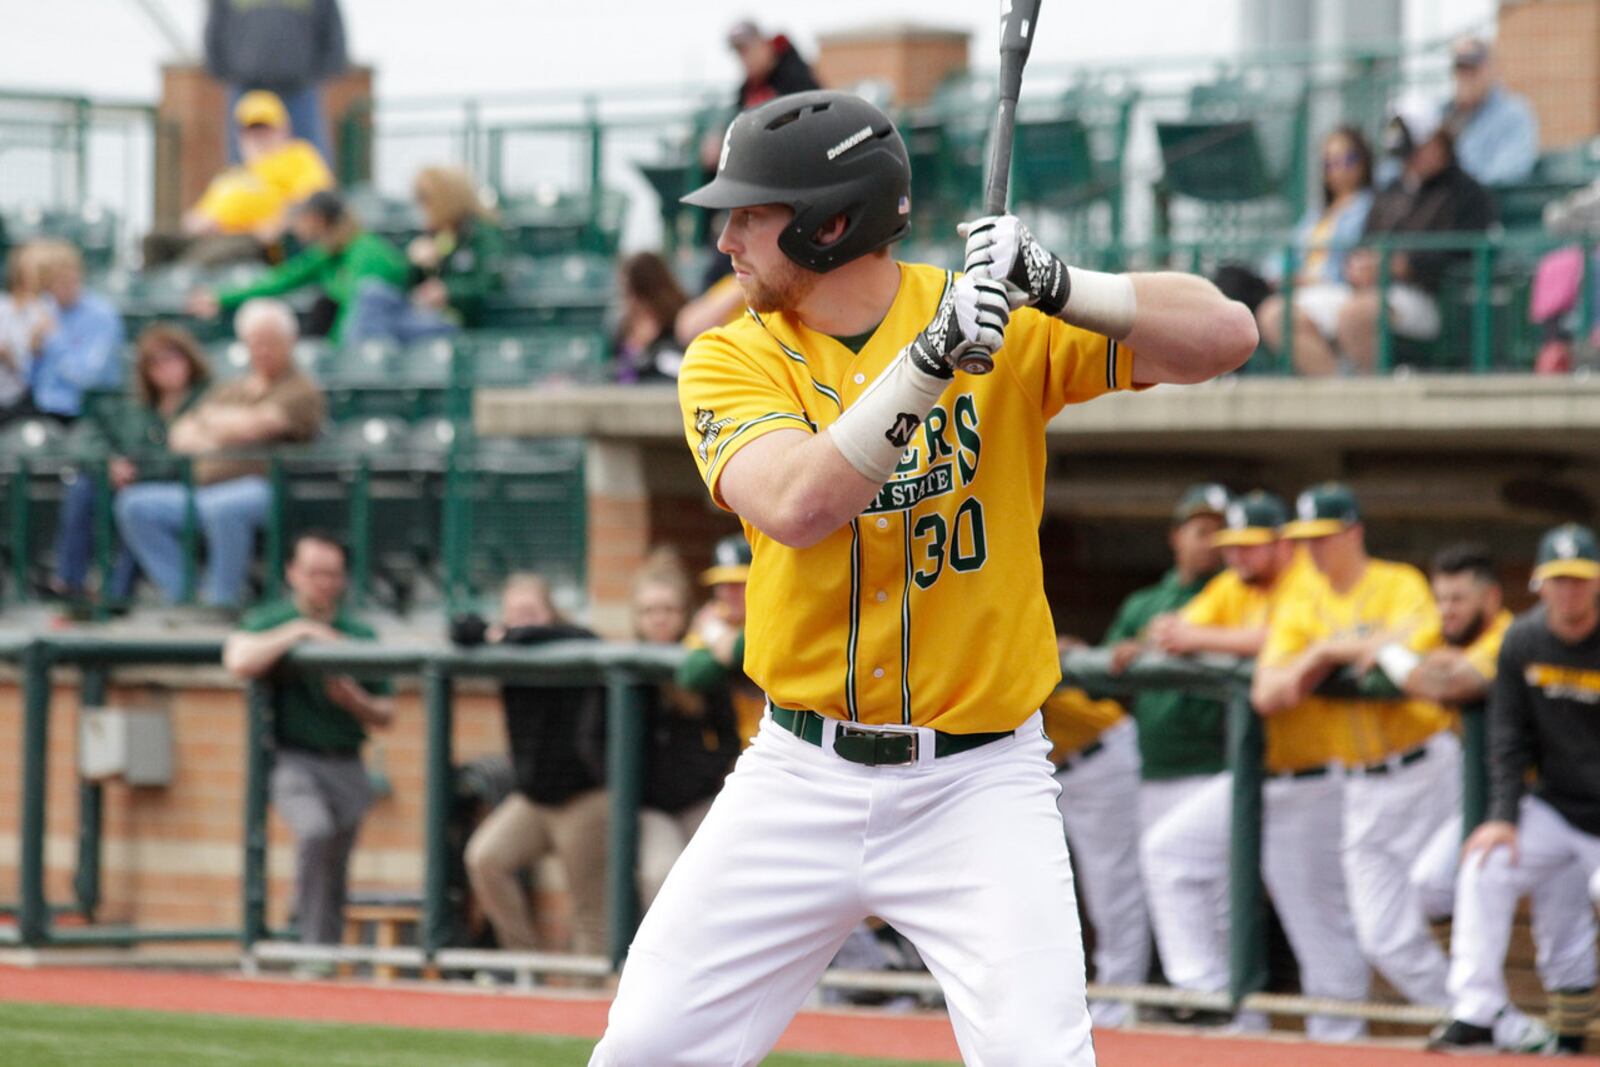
<point>258,730</point>
<point>437,923</point>
<point>105,538</point>
<point>21,550</point>
<point>1474,766</point>
<point>91,806</point>
<point>33,917</point>
<point>1247,941</point>
<point>1385,334</point>
<point>1482,277</point>
<point>361,533</point>
<point>624,775</point>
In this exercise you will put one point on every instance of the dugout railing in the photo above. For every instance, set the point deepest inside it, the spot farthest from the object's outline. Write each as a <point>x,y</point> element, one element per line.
<point>624,670</point>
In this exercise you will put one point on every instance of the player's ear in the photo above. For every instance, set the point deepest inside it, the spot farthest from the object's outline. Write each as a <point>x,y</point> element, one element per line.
<point>832,230</point>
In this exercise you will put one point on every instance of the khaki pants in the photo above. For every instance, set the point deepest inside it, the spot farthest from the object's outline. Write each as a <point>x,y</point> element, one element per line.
<point>662,837</point>
<point>519,833</point>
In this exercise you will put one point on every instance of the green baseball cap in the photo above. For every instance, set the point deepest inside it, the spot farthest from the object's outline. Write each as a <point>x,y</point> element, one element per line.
<point>730,562</point>
<point>1252,519</point>
<point>1568,551</point>
<point>1322,511</point>
<point>1207,498</point>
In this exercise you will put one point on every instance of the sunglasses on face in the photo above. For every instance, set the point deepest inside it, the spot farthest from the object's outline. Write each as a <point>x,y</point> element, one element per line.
<point>1340,159</point>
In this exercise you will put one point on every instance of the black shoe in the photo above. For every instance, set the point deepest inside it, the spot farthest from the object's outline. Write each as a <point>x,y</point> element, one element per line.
<point>1461,1038</point>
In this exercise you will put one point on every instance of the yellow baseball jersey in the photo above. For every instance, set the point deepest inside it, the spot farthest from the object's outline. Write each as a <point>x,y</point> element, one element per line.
<point>1484,651</point>
<point>1388,596</point>
<point>1229,601</point>
<point>929,607</point>
<point>1073,719</point>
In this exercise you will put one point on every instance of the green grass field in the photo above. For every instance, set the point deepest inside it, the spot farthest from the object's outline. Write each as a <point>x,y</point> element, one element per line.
<point>33,1035</point>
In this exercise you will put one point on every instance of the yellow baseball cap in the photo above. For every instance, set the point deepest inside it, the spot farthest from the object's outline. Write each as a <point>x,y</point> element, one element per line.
<point>261,108</point>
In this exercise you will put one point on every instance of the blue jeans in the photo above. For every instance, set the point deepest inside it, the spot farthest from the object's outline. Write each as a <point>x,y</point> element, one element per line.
<point>305,119</point>
<point>151,517</point>
<point>383,313</point>
<point>75,545</point>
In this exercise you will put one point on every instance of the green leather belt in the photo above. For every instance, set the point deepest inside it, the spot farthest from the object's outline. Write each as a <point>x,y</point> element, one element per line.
<point>873,746</point>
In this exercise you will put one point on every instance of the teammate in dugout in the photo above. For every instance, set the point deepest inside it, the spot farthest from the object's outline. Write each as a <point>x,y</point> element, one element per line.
<point>1542,720</point>
<point>1400,759</point>
<point>1456,665</point>
<point>901,769</point>
<point>1185,855</point>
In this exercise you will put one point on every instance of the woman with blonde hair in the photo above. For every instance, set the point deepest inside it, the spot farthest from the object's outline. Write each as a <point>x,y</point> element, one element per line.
<point>170,374</point>
<point>23,319</point>
<point>454,265</point>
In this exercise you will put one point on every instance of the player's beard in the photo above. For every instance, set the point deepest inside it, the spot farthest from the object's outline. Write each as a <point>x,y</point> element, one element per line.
<point>1468,633</point>
<point>782,289</point>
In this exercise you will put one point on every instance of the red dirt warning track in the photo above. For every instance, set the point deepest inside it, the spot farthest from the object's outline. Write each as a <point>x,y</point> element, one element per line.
<point>845,1033</point>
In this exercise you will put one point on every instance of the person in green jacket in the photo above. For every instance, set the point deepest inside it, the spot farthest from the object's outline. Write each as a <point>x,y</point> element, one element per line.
<point>454,266</point>
<point>1182,739</point>
<point>339,256</point>
<point>170,374</point>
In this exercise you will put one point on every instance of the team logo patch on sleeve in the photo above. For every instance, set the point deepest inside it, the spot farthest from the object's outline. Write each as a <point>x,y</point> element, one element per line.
<point>905,425</point>
<point>709,427</point>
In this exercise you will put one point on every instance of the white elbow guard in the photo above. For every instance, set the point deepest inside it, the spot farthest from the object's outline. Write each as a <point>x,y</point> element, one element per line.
<point>1397,661</point>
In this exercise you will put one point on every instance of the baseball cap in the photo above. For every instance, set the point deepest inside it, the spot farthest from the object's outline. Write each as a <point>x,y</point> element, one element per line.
<point>1568,551</point>
<point>742,33</point>
<point>1469,53</point>
<point>1322,511</point>
<point>1207,498</point>
<point>261,108</point>
<point>730,562</point>
<point>1252,519</point>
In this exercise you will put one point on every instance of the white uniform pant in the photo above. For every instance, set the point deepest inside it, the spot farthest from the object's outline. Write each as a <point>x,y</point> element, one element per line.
<point>1185,861</point>
<point>1388,820</point>
<point>1161,795</point>
<point>1487,891</point>
<point>1563,920</point>
<point>1097,793</point>
<point>963,855</point>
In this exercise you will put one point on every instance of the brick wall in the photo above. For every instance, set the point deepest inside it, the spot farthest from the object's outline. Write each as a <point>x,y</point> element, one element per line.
<point>1549,50</point>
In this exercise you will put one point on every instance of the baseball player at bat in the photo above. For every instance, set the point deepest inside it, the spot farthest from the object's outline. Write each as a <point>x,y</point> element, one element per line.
<point>896,613</point>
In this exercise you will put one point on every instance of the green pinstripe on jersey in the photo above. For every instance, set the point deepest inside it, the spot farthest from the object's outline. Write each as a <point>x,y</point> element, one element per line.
<point>905,626</point>
<point>798,358</point>
<point>855,621</point>
<point>726,441</point>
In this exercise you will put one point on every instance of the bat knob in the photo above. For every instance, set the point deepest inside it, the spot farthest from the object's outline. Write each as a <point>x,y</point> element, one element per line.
<point>975,363</point>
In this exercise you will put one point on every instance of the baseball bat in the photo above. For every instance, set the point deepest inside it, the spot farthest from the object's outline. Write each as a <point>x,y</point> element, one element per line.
<point>1018,18</point>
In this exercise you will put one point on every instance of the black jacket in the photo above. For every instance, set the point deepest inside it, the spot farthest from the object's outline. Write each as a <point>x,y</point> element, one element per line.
<point>789,74</point>
<point>556,733</point>
<point>1448,202</point>
<point>281,45</point>
<point>1544,715</point>
<point>691,742</point>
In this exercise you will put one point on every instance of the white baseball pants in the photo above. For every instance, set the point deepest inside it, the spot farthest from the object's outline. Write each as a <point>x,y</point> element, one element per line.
<point>1161,795</point>
<point>1185,862</point>
<point>1487,891</point>
<point>964,855</point>
<point>1097,793</point>
<point>1564,927</point>
<point>1388,819</point>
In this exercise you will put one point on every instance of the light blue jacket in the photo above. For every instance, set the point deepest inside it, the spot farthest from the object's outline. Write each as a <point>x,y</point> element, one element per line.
<point>84,352</point>
<point>1500,141</point>
<point>1347,227</point>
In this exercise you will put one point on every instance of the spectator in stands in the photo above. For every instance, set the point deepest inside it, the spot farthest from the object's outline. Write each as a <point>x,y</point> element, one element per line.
<point>1180,736</point>
<point>691,738</point>
<point>78,343</point>
<point>23,319</point>
<point>645,344</point>
<point>715,663</point>
<point>170,374</point>
<point>1325,235</point>
<point>288,47</point>
<point>246,208</point>
<point>454,267</point>
<point>772,67</point>
<point>557,739</point>
<point>719,305</point>
<point>338,257</point>
<point>1497,132</point>
<point>1432,195</point>
<point>1544,800</point>
<point>231,496</point>
<point>319,787</point>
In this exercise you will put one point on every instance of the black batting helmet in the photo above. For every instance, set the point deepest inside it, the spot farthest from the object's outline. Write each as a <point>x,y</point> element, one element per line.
<point>822,153</point>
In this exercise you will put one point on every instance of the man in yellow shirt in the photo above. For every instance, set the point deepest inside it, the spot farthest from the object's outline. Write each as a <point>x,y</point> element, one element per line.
<point>897,617</point>
<point>1185,855</point>
<point>278,172</point>
<point>1094,746</point>
<point>1401,760</point>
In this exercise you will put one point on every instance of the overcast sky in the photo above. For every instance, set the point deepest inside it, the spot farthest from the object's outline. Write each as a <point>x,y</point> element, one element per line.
<point>112,47</point>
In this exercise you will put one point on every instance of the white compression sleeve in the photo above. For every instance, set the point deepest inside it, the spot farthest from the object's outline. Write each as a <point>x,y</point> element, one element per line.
<point>1104,303</point>
<point>873,432</point>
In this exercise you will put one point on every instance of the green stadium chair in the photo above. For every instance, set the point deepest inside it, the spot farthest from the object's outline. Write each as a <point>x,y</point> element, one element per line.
<point>35,467</point>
